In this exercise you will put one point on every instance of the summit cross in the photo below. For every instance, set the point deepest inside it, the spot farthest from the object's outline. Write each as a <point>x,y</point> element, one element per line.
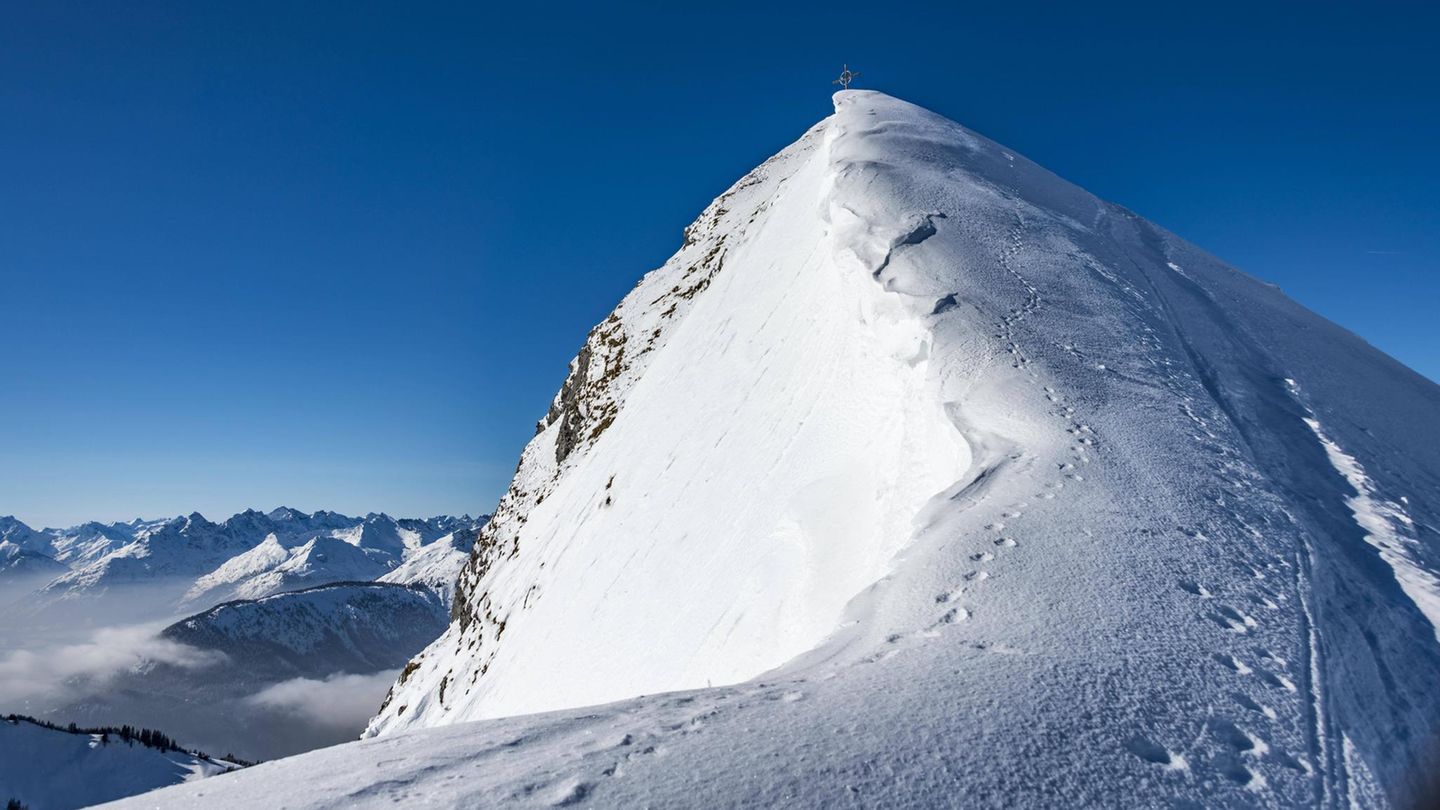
<point>846,76</point>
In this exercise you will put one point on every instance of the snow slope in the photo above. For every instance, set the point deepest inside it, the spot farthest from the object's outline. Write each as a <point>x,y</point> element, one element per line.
<point>955,485</point>
<point>51,769</point>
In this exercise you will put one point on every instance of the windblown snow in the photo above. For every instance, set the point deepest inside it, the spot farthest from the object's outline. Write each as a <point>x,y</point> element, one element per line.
<point>1386,525</point>
<point>919,477</point>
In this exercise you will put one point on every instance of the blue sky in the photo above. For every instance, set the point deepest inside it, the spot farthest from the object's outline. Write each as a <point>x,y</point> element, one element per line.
<point>338,255</point>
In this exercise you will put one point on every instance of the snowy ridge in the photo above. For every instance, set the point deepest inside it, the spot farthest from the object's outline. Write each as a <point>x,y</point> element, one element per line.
<point>163,549</point>
<point>1386,524</point>
<point>53,769</point>
<point>945,479</point>
<point>437,565</point>
<point>356,627</point>
<point>22,537</point>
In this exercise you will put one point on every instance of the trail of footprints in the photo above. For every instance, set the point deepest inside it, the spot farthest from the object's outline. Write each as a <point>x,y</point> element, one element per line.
<point>997,540</point>
<point>1015,242</point>
<point>1083,442</point>
<point>1236,744</point>
<point>1261,677</point>
<point>611,752</point>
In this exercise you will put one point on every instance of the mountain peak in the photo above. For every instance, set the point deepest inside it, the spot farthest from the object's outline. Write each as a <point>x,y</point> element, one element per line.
<point>286,513</point>
<point>986,429</point>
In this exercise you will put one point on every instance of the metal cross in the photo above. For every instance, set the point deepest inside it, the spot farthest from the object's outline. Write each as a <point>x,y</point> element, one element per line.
<point>846,76</point>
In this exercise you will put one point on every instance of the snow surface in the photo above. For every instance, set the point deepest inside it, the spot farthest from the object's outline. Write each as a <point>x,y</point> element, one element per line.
<point>1387,527</point>
<point>932,479</point>
<point>51,769</point>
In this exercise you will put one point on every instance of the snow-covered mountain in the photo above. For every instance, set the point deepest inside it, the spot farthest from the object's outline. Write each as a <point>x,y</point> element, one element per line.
<point>437,565</point>
<point>192,563</point>
<point>16,561</point>
<point>354,627</point>
<point>921,477</point>
<point>161,551</point>
<point>301,554</point>
<point>88,542</point>
<point>45,768</point>
<point>23,537</point>
<point>335,629</point>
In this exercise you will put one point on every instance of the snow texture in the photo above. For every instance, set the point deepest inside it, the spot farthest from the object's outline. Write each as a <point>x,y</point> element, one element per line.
<point>921,477</point>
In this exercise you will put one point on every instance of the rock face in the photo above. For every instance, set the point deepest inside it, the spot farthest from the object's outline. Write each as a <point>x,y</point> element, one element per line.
<point>933,479</point>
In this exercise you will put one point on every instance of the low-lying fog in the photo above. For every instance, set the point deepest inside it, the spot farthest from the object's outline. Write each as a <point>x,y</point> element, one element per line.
<point>86,661</point>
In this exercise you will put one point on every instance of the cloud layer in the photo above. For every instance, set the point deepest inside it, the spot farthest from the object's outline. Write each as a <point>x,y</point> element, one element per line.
<point>27,675</point>
<point>339,701</point>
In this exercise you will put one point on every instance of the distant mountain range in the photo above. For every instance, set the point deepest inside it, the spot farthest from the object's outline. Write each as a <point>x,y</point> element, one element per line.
<point>301,604</point>
<point>189,563</point>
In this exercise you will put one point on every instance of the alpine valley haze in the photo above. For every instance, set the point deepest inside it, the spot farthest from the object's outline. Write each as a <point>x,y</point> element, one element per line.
<point>921,477</point>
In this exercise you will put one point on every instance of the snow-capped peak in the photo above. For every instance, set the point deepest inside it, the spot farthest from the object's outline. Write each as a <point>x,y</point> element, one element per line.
<point>927,432</point>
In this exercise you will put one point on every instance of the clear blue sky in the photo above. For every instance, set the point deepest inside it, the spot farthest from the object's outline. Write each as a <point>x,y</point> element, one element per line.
<point>338,255</point>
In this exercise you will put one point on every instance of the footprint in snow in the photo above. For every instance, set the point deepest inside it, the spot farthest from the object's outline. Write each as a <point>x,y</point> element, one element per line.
<point>1232,663</point>
<point>1153,752</point>
<point>951,616</point>
<point>1277,681</point>
<point>1192,587</point>
<point>1253,705</point>
<point>1266,655</point>
<point>1233,769</point>
<point>1243,742</point>
<point>1232,619</point>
